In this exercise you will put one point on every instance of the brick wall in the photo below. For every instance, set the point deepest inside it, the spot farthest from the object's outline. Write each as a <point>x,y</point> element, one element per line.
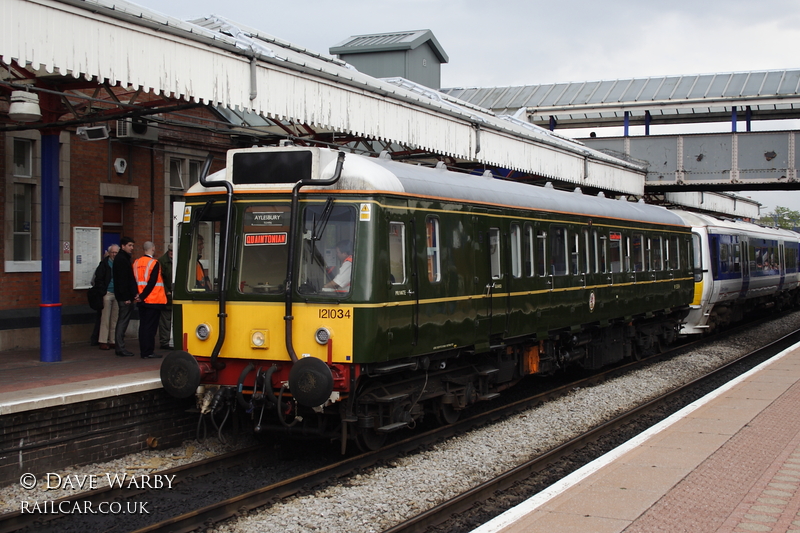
<point>46,440</point>
<point>145,217</point>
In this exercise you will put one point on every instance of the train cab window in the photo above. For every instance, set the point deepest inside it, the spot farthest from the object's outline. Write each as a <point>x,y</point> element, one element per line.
<point>264,250</point>
<point>558,250</point>
<point>541,253</point>
<point>207,229</point>
<point>494,252</point>
<point>616,252</point>
<point>638,253</point>
<point>327,253</point>
<point>698,257</point>
<point>516,249</point>
<point>397,253</point>
<point>657,253</point>
<point>433,251</point>
<point>527,257</point>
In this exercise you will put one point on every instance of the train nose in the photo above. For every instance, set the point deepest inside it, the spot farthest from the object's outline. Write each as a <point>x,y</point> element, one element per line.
<point>180,374</point>
<point>310,382</point>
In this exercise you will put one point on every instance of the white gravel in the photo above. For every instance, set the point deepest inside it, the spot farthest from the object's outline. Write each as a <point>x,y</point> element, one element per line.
<point>386,495</point>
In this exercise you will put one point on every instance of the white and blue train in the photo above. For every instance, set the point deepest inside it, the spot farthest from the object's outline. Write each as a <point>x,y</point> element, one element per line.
<point>739,268</point>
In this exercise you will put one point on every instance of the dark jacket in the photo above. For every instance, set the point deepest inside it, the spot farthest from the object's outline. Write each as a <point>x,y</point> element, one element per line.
<point>166,275</point>
<point>124,280</point>
<point>100,282</point>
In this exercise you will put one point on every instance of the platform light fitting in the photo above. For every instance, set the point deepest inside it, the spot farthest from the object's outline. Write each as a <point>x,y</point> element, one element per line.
<point>24,107</point>
<point>92,133</point>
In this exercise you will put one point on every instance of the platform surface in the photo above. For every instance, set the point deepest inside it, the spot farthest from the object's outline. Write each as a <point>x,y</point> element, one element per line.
<point>84,373</point>
<point>727,463</point>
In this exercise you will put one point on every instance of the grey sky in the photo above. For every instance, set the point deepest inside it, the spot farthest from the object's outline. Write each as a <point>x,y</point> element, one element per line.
<point>512,42</point>
<point>516,42</point>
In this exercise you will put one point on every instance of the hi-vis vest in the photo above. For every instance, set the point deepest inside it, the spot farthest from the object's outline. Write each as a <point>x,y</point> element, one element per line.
<point>142,268</point>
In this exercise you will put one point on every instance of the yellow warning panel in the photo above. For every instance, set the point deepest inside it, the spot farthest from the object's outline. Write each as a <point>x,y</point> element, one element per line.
<point>365,214</point>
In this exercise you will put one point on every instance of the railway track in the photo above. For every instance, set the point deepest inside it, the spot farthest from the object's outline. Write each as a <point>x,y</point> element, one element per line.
<point>329,473</point>
<point>472,500</point>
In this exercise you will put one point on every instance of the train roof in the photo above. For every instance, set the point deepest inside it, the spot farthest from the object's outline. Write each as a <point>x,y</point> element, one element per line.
<point>442,183</point>
<point>734,226</point>
<point>381,174</point>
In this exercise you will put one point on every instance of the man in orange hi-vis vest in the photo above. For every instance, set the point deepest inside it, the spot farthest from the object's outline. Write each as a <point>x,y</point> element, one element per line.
<point>151,299</point>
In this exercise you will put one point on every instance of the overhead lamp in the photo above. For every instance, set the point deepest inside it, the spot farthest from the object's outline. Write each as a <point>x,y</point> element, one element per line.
<point>24,107</point>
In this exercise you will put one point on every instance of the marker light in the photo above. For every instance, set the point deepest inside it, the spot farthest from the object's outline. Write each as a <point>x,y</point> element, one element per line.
<point>203,331</point>
<point>322,336</point>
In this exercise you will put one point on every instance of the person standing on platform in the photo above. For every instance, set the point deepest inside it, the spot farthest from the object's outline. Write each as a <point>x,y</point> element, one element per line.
<point>108,320</point>
<point>165,322</point>
<point>151,300</point>
<point>125,292</point>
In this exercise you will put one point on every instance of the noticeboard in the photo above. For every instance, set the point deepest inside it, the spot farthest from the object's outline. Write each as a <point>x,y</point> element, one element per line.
<point>87,250</point>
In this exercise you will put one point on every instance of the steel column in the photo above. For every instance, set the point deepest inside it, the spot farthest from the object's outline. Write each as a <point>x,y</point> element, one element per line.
<point>50,308</point>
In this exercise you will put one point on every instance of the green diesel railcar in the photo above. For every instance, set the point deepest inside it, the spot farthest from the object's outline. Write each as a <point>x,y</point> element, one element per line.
<point>350,298</point>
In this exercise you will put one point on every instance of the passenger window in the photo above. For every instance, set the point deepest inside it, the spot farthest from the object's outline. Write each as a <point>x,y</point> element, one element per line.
<point>723,257</point>
<point>587,248</point>
<point>541,253</point>
<point>574,254</point>
<point>616,255</point>
<point>516,256</point>
<point>397,252</point>
<point>638,253</point>
<point>657,251</point>
<point>494,252</point>
<point>434,256</point>
<point>558,250</point>
<point>600,252</point>
<point>528,257</point>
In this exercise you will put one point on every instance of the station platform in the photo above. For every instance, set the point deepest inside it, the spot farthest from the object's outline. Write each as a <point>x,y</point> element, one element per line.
<point>84,373</point>
<point>727,463</point>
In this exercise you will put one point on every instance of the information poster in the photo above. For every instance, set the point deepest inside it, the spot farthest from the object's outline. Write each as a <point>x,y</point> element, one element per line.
<point>87,251</point>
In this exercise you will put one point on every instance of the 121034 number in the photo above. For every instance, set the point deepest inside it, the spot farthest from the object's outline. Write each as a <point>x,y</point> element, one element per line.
<point>334,313</point>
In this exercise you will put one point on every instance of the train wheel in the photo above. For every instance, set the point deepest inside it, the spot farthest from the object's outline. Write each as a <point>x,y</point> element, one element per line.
<point>369,440</point>
<point>446,414</point>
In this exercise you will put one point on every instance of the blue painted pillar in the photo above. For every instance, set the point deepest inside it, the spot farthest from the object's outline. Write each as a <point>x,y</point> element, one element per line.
<point>733,119</point>
<point>50,308</point>
<point>552,123</point>
<point>627,123</point>
<point>647,119</point>
<point>748,115</point>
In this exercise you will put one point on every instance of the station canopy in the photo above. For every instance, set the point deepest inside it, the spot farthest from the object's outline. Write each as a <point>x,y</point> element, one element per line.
<point>91,61</point>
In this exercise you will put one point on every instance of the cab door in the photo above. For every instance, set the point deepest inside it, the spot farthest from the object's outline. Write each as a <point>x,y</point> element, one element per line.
<point>402,308</point>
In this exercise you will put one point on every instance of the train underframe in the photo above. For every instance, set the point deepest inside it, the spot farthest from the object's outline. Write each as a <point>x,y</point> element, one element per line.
<point>377,399</point>
<point>724,314</point>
